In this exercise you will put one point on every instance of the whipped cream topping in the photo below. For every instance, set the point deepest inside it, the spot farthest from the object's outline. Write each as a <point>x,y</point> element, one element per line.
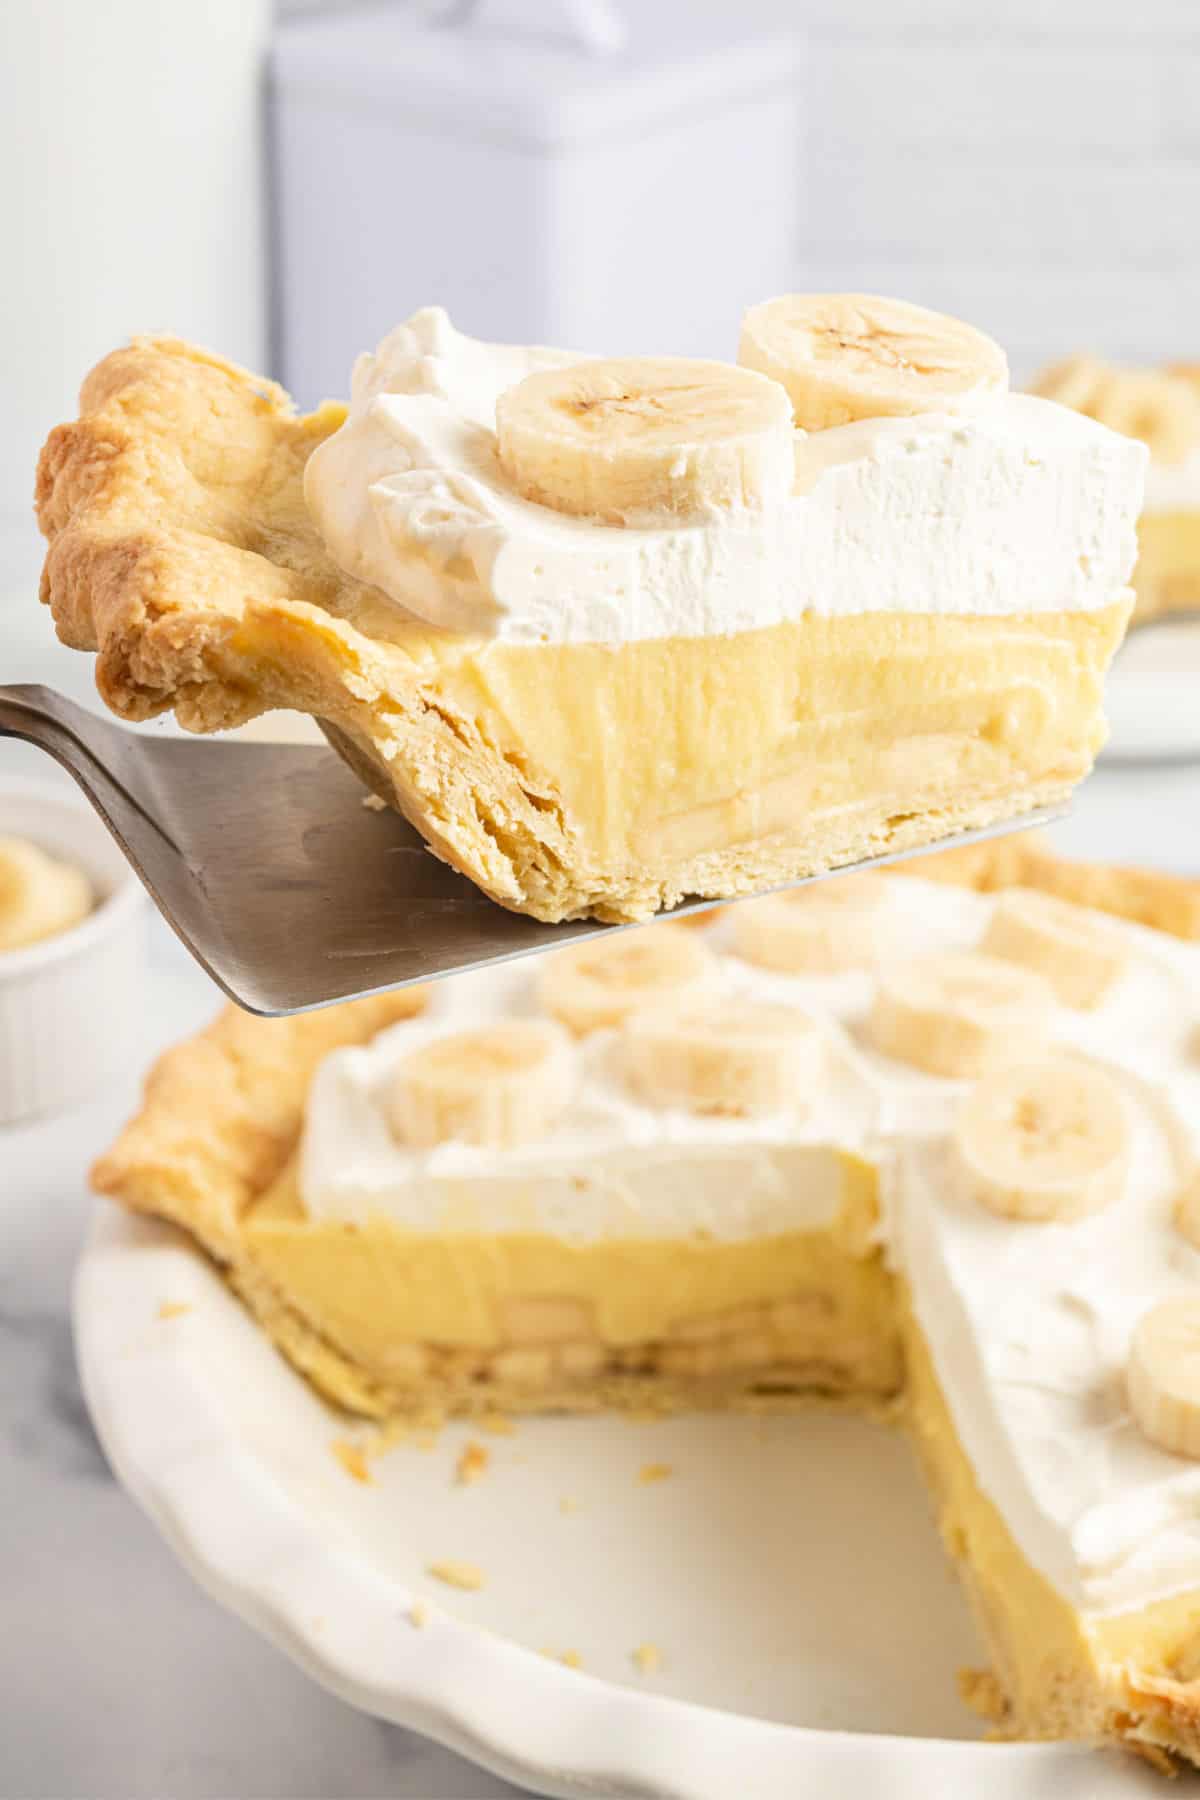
<point>1028,1325</point>
<point>651,1172</point>
<point>1173,487</point>
<point>1022,506</point>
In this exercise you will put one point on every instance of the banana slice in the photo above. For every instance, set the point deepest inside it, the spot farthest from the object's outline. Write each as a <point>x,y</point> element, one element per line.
<point>717,1054</point>
<point>1075,381</point>
<point>960,1014</point>
<point>819,929</point>
<point>499,1086</point>
<point>647,440</point>
<point>1160,409</point>
<point>1159,406</point>
<point>854,356</point>
<point>1187,1207</point>
<point>600,984</point>
<point>1162,1376</point>
<point>39,896</point>
<point>1043,1141</point>
<point>1080,954</point>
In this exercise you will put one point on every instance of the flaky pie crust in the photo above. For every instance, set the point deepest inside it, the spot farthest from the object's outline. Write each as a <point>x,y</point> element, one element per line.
<point>182,553</point>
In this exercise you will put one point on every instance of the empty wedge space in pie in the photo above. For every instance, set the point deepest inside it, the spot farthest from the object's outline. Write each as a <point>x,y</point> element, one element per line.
<point>612,633</point>
<point>924,1142</point>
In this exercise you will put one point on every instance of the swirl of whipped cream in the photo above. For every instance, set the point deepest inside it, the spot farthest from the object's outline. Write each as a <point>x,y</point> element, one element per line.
<point>1022,507</point>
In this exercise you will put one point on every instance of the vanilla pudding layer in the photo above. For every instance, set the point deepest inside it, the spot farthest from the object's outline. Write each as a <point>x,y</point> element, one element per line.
<point>1167,576</point>
<point>469,1321</point>
<point>571,779</point>
<point>1056,1671</point>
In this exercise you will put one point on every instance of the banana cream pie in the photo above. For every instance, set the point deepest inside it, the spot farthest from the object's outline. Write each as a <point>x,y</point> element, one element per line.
<point>615,632</point>
<point>1161,407</point>
<point>927,1142</point>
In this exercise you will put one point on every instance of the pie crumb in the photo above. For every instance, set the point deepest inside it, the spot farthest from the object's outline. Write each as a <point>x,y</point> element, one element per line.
<point>418,1614</point>
<point>498,1424</point>
<point>654,1472</point>
<point>465,1575</point>
<point>173,1309</point>
<point>979,1689</point>
<point>373,803</point>
<point>472,1463</point>
<point>571,1658</point>
<point>647,1658</point>
<point>353,1459</point>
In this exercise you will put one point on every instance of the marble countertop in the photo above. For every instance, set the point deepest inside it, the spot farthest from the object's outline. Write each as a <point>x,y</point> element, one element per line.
<point>119,1676</point>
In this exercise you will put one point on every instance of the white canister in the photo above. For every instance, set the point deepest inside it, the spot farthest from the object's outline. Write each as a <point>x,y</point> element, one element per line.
<point>628,197</point>
<point>70,1006</point>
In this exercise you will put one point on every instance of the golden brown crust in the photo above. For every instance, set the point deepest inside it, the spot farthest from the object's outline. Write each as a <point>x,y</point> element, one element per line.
<point>172,505</point>
<point>222,1111</point>
<point>1153,897</point>
<point>182,552</point>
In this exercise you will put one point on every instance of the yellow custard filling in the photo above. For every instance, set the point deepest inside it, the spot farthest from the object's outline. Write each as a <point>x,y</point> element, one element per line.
<point>621,778</point>
<point>692,1303</point>
<point>1167,576</point>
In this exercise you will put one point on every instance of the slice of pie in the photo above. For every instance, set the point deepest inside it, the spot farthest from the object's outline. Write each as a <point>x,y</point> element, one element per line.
<point>926,1143</point>
<point>613,633</point>
<point>1161,407</point>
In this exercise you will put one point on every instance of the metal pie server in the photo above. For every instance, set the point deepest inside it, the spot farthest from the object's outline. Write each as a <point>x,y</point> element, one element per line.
<point>264,859</point>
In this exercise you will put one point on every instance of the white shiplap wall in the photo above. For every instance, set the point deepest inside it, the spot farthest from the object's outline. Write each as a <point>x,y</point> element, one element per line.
<point>1033,165</point>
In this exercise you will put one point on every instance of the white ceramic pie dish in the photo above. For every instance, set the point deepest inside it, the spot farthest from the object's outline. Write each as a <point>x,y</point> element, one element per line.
<point>69,1004</point>
<point>786,1570</point>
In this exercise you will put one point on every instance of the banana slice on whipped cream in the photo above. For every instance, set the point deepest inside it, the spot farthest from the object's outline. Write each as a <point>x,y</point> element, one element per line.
<point>960,1014</point>
<point>605,981</point>
<point>843,357</point>
<point>647,440</point>
<point>1045,1141</point>
<point>1163,1375</point>
<point>39,895</point>
<point>496,1087</point>
<point>713,1053</point>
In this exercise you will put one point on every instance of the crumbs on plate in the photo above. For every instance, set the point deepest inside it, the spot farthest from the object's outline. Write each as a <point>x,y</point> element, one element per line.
<point>498,1424</point>
<point>654,1472</point>
<point>353,1459</point>
<point>472,1463</point>
<point>467,1576</point>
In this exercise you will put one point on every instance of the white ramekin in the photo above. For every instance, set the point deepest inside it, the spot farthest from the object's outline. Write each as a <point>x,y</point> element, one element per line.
<point>70,1005</point>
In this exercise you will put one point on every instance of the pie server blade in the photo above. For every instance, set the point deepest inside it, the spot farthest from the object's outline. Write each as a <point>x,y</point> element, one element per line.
<point>287,888</point>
